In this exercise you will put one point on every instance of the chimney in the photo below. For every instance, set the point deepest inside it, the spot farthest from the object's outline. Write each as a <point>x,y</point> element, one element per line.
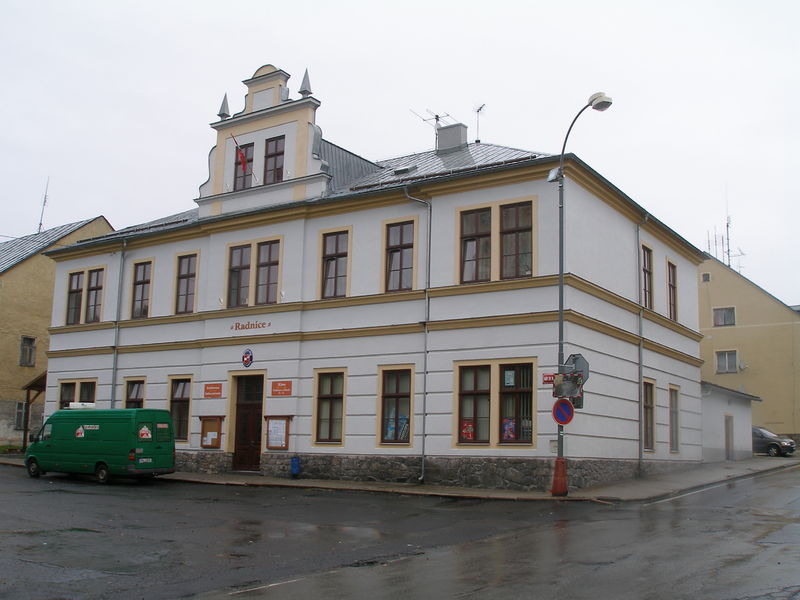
<point>450,138</point>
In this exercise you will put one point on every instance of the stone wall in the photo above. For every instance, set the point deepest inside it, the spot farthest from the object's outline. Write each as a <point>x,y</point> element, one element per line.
<point>344,467</point>
<point>479,472</point>
<point>196,461</point>
<point>11,436</point>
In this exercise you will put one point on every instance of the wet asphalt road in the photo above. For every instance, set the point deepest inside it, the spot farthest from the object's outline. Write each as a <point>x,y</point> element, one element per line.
<point>68,537</point>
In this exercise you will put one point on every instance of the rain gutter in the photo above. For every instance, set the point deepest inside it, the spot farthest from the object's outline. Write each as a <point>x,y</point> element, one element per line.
<point>427,320</point>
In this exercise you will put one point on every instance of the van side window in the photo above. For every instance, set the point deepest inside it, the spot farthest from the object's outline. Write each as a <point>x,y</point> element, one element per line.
<point>47,432</point>
<point>162,432</point>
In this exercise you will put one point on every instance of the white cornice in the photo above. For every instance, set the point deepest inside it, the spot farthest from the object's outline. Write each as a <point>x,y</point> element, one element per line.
<point>284,107</point>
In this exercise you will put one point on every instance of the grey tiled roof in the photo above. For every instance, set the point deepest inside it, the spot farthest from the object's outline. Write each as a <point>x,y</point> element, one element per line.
<point>345,166</point>
<point>19,249</point>
<point>425,165</point>
<point>169,222</point>
<point>352,174</point>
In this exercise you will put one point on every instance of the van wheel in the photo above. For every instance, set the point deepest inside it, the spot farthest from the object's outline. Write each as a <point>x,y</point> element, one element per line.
<point>773,451</point>
<point>33,468</point>
<point>101,473</point>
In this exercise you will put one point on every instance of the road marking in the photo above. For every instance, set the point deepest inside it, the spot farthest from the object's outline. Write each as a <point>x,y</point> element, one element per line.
<point>711,487</point>
<point>264,587</point>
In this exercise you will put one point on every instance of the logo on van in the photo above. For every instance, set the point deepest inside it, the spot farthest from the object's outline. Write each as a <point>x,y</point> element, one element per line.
<point>79,432</point>
<point>145,433</point>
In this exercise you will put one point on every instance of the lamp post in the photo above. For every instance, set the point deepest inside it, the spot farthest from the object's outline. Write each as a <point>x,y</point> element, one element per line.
<point>599,102</point>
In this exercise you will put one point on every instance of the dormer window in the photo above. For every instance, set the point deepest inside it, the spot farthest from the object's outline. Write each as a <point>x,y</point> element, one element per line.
<point>273,160</point>
<point>243,171</point>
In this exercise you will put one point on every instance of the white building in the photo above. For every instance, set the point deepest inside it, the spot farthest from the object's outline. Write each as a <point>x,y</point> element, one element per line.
<point>388,320</point>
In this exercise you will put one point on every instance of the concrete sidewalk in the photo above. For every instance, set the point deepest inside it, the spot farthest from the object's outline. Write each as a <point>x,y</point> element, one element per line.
<point>632,490</point>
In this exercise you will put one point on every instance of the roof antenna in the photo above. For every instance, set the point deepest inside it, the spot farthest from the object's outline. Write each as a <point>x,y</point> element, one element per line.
<point>44,203</point>
<point>433,120</point>
<point>478,123</point>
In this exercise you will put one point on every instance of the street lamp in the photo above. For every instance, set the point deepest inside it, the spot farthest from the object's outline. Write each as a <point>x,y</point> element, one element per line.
<point>600,102</point>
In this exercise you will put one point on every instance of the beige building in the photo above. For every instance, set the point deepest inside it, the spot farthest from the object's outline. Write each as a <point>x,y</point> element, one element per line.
<point>751,344</point>
<point>26,304</point>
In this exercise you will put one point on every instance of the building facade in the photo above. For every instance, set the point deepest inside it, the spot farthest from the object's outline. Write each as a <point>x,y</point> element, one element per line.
<point>26,284</point>
<point>388,320</point>
<point>751,343</point>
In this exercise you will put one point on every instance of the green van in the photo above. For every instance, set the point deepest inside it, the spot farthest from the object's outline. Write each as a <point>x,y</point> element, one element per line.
<point>131,442</point>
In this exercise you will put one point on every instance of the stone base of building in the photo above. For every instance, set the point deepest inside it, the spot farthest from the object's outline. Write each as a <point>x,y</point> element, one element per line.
<point>203,461</point>
<point>534,474</point>
<point>480,472</point>
<point>397,469</point>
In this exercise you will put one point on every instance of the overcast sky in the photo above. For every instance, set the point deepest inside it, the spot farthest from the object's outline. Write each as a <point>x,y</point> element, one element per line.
<point>111,100</point>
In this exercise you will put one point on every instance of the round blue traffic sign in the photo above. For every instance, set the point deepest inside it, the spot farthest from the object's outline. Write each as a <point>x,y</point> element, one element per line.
<point>563,411</point>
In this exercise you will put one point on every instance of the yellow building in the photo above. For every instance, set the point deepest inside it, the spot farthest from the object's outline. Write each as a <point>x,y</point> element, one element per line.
<point>751,344</point>
<point>26,304</point>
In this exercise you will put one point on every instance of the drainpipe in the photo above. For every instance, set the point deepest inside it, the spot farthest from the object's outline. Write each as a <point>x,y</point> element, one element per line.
<point>427,319</point>
<point>640,466</point>
<point>115,357</point>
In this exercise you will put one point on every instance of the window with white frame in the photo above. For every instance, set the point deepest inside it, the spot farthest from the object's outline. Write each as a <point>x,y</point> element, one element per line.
<point>724,316</point>
<point>726,361</point>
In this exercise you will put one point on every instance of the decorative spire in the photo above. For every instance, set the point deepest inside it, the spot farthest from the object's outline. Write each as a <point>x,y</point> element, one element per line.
<point>224,113</point>
<point>305,87</point>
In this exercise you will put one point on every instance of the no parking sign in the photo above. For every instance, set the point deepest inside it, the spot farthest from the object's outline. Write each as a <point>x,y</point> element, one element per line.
<point>563,411</point>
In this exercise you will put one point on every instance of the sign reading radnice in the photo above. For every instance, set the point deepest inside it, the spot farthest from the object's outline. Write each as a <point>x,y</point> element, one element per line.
<point>250,325</point>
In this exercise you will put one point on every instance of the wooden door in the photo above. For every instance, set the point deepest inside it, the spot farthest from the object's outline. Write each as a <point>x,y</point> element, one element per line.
<point>249,415</point>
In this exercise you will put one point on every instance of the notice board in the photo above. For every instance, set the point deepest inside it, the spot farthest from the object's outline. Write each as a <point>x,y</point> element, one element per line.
<point>278,432</point>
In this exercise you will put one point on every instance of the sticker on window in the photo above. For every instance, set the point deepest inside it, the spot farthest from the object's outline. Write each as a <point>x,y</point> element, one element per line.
<point>145,433</point>
<point>79,433</point>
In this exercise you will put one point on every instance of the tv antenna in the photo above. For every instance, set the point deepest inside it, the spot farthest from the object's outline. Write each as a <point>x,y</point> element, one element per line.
<point>44,203</point>
<point>435,120</point>
<point>478,123</point>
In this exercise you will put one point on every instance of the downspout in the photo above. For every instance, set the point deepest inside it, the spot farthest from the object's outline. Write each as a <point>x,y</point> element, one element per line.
<point>115,357</point>
<point>427,319</point>
<point>640,383</point>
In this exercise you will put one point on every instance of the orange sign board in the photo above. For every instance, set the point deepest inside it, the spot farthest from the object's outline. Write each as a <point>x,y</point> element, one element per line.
<point>212,390</point>
<point>281,388</point>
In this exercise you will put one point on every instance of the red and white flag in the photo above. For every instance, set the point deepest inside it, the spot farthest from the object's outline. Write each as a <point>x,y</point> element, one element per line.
<point>241,155</point>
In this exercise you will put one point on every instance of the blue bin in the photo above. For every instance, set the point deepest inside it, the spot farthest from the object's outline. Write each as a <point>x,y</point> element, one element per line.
<point>295,467</point>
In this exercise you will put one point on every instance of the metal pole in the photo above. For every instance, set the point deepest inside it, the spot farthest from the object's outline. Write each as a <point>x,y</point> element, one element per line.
<point>561,283</point>
<point>560,484</point>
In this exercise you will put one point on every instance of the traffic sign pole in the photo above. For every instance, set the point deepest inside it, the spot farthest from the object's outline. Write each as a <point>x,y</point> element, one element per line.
<point>563,412</point>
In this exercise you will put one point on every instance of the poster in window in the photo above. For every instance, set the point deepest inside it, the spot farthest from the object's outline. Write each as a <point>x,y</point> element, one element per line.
<point>509,429</point>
